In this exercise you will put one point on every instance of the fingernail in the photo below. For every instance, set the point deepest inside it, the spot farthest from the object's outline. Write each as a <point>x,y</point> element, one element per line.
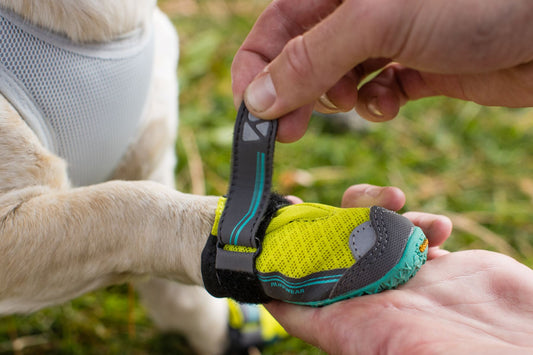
<point>373,107</point>
<point>260,94</point>
<point>373,191</point>
<point>326,102</point>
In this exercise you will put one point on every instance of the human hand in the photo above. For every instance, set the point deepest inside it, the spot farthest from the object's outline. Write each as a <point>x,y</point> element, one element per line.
<point>470,301</point>
<point>474,50</point>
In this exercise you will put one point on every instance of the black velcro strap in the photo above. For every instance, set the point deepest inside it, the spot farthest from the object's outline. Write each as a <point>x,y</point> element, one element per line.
<point>248,210</point>
<point>251,179</point>
<point>242,286</point>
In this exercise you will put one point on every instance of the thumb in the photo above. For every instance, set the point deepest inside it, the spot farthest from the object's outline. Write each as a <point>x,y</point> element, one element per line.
<point>310,64</point>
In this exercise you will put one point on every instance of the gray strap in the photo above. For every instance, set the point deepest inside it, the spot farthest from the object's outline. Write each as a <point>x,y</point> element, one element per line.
<point>235,261</point>
<point>250,183</point>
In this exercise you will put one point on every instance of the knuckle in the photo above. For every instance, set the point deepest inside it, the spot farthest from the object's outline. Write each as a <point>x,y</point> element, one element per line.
<point>299,61</point>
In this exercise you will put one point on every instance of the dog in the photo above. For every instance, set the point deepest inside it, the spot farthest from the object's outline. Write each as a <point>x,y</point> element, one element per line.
<point>88,122</point>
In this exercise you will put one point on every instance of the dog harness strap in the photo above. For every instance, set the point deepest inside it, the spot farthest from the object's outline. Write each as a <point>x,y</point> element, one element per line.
<point>251,178</point>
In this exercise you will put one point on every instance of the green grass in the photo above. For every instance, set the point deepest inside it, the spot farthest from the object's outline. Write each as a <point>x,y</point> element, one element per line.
<point>469,162</point>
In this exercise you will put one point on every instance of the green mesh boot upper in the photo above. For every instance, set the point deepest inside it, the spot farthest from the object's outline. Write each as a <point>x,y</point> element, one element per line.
<point>315,254</point>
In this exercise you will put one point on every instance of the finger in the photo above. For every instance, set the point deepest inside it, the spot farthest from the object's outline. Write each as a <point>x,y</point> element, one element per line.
<point>343,95</point>
<point>292,127</point>
<point>291,317</point>
<point>245,66</point>
<point>324,105</point>
<point>312,63</point>
<point>436,252</point>
<point>437,228</point>
<point>279,23</point>
<point>294,199</point>
<point>381,98</point>
<point>364,195</point>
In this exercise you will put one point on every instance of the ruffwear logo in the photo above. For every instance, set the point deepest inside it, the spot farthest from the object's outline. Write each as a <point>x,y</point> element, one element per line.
<point>255,129</point>
<point>298,291</point>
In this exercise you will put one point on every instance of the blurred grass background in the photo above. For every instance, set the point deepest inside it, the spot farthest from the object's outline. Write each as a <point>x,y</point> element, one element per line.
<point>468,162</point>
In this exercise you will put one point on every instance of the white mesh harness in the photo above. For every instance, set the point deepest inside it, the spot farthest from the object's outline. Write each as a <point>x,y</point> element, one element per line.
<point>84,102</point>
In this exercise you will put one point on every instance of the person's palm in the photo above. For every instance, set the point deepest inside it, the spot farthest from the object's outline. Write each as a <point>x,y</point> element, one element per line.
<point>468,301</point>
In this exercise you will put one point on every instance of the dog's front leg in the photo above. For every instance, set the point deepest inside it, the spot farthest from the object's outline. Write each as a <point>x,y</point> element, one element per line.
<point>58,244</point>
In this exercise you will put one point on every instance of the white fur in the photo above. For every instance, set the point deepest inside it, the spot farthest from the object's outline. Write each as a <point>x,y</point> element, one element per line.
<point>85,20</point>
<point>58,242</point>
